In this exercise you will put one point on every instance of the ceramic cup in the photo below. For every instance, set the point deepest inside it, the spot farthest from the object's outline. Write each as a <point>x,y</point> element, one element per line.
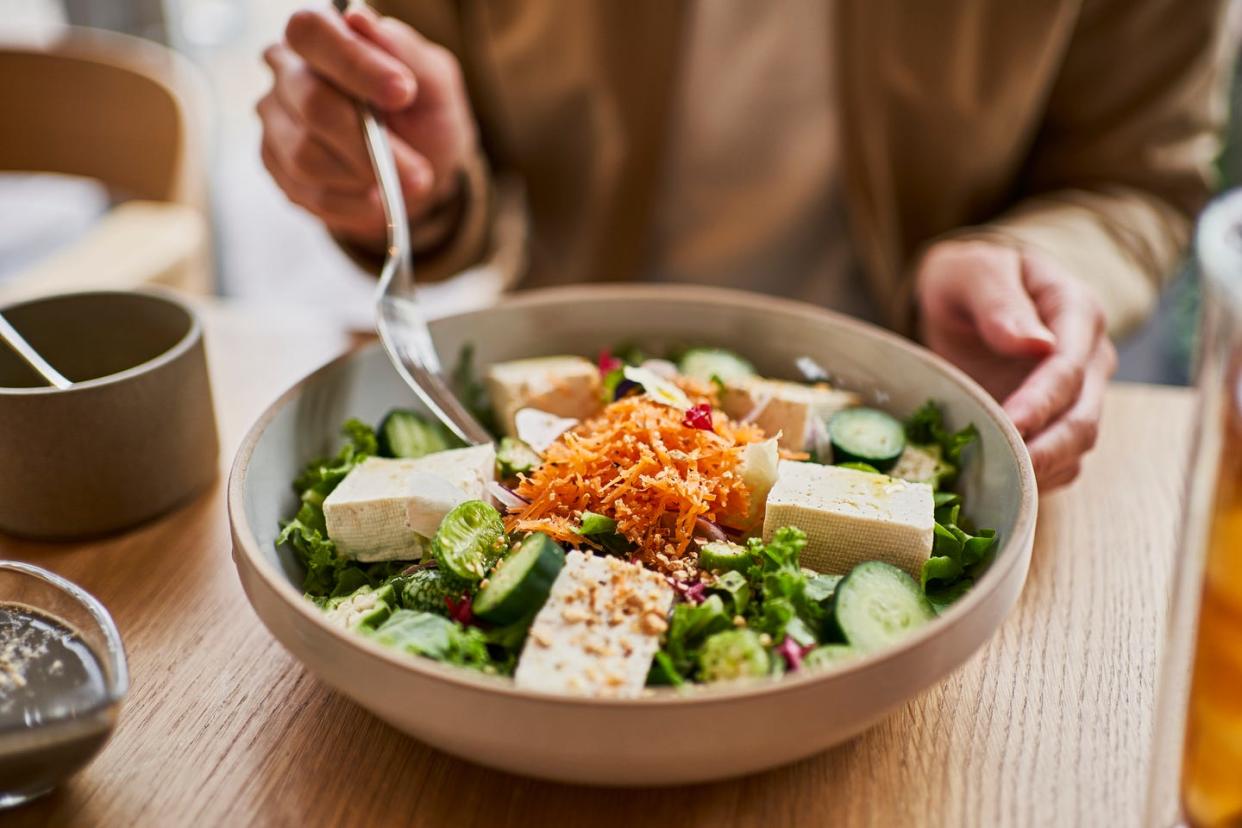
<point>133,437</point>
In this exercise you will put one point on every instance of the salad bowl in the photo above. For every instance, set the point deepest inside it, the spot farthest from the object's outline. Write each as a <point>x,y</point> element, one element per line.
<point>665,736</point>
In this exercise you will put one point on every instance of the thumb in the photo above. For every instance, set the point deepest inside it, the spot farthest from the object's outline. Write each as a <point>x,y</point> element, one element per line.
<point>1006,316</point>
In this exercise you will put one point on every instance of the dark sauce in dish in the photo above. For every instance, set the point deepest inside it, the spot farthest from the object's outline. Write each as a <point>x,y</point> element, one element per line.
<point>54,707</point>
<point>47,671</point>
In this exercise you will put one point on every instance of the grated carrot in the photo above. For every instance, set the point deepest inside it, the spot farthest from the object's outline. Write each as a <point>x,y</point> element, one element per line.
<point>638,463</point>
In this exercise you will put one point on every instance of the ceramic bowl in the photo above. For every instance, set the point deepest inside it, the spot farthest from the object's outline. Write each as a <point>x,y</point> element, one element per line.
<point>666,738</point>
<point>134,436</point>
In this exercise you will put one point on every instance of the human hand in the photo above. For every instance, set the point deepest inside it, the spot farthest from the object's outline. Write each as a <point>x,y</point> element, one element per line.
<point>1030,334</point>
<point>312,139</point>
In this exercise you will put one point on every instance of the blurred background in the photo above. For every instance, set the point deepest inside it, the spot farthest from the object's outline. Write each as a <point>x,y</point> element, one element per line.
<point>259,246</point>
<point>217,220</point>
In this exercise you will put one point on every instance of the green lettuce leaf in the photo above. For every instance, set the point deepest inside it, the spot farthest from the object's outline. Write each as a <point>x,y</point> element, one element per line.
<point>609,383</point>
<point>958,558</point>
<point>943,596</point>
<point>925,427</point>
<point>327,572</point>
<point>785,605</point>
<point>820,587</point>
<point>690,626</point>
<point>781,552</point>
<point>436,637</point>
<point>663,673</point>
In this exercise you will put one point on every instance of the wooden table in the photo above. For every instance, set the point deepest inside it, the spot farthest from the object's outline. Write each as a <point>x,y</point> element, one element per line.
<point>1049,724</point>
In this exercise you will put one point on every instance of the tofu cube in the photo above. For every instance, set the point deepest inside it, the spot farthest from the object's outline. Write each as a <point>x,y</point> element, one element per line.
<point>852,516</point>
<point>387,509</point>
<point>786,407</point>
<point>598,631</point>
<point>469,469</point>
<point>758,470</point>
<point>567,386</point>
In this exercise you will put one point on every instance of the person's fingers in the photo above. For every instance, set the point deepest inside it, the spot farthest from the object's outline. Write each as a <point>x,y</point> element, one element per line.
<point>323,109</point>
<point>332,121</point>
<point>1062,477</point>
<point>433,66</point>
<point>1074,318</point>
<point>1045,394</point>
<point>354,215</point>
<point>439,124</point>
<point>301,152</point>
<point>1061,446</point>
<point>334,51</point>
<point>1002,309</point>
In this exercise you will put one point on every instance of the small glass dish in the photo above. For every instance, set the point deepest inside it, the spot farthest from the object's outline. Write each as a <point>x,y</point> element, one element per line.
<point>54,717</point>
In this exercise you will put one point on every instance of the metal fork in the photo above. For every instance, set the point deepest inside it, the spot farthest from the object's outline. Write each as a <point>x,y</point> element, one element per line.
<point>399,320</point>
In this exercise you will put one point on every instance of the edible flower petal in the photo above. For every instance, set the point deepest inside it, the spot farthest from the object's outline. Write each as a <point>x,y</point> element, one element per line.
<point>459,609</point>
<point>658,388</point>
<point>539,429</point>
<point>607,362</point>
<point>699,416</point>
<point>691,593</point>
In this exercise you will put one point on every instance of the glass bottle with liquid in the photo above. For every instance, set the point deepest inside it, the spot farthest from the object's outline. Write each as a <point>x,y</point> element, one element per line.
<point>1196,771</point>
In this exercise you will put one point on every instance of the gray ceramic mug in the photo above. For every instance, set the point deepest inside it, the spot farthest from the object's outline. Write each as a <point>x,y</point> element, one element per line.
<point>133,437</point>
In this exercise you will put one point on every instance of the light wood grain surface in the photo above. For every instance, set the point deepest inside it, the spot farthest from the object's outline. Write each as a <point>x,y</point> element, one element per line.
<point>1049,724</point>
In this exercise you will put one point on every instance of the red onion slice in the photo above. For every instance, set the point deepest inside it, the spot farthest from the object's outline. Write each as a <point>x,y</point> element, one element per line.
<point>505,497</point>
<point>704,528</point>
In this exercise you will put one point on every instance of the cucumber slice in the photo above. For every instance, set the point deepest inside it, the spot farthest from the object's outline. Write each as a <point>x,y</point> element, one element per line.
<point>877,604</point>
<point>426,589</point>
<point>408,434</point>
<point>733,654</point>
<point>513,457</point>
<point>722,556</point>
<point>469,540</point>
<point>520,583</point>
<point>706,364</point>
<point>924,464</point>
<point>828,656</point>
<point>593,523</point>
<point>364,609</point>
<point>863,467</point>
<point>866,435</point>
<point>735,585</point>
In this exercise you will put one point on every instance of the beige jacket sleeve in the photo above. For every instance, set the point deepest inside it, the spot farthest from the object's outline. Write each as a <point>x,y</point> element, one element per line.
<point>1125,157</point>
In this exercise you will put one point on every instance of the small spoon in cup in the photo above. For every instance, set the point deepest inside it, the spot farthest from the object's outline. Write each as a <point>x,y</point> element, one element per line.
<point>30,356</point>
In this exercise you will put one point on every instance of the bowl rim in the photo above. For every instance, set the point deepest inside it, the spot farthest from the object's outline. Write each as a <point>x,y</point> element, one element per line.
<point>244,539</point>
<point>193,334</point>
